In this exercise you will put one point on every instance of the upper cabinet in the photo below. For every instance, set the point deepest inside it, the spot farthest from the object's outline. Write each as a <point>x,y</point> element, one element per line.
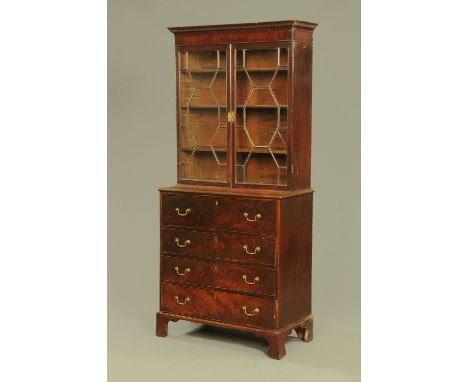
<point>244,104</point>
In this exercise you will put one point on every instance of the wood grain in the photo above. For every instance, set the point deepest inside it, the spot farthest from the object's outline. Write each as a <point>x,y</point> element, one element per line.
<point>246,248</point>
<point>217,305</point>
<point>295,259</point>
<point>219,213</point>
<point>219,274</point>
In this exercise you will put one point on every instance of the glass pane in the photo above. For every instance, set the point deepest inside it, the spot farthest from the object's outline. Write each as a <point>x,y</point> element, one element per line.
<point>202,115</point>
<point>261,115</point>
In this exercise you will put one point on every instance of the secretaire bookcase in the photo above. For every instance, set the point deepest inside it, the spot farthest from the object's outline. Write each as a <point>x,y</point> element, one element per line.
<point>236,230</point>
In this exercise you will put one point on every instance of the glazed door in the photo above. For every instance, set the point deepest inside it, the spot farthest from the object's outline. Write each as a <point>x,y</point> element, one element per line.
<point>202,99</point>
<point>260,95</point>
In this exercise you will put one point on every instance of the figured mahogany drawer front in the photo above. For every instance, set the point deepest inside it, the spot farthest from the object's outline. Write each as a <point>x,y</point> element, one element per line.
<point>219,274</point>
<point>249,248</point>
<point>212,212</point>
<point>216,305</point>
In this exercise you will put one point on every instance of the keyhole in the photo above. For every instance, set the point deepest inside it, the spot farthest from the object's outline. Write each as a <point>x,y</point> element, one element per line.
<point>216,202</point>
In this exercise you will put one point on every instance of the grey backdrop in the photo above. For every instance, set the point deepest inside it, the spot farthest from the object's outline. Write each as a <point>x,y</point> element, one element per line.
<point>142,157</point>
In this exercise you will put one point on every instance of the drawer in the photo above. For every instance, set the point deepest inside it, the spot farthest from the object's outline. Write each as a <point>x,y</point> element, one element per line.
<point>216,305</point>
<point>228,213</point>
<point>248,248</point>
<point>219,274</point>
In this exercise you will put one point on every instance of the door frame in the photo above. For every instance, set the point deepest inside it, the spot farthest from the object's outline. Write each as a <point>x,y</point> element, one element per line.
<point>261,45</point>
<point>198,48</point>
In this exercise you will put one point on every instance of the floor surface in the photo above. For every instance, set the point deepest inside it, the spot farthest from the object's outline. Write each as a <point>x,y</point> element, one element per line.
<point>193,352</point>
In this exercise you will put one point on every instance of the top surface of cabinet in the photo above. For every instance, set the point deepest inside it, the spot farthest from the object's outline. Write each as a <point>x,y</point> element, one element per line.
<point>258,25</point>
<point>244,104</point>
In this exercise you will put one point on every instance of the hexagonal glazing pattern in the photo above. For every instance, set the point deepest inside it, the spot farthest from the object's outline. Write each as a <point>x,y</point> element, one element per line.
<point>202,116</point>
<point>261,129</point>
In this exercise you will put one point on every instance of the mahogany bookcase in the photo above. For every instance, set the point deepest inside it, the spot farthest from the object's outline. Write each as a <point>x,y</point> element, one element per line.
<point>236,230</point>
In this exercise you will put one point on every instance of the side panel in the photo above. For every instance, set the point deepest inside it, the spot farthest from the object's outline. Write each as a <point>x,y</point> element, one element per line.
<point>294,259</point>
<point>301,115</point>
<point>302,35</point>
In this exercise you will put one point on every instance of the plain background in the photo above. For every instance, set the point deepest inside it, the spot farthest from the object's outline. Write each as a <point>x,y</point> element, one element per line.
<point>53,197</point>
<point>142,158</point>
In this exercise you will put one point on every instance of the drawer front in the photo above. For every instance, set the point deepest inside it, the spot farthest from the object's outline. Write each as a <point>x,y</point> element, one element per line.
<point>248,248</point>
<point>219,274</point>
<point>216,305</point>
<point>229,213</point>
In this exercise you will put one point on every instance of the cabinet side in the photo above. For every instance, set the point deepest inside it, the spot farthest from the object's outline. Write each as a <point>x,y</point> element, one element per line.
<point>160,246</point>
<point>301,116</point>
<point>295,259</point>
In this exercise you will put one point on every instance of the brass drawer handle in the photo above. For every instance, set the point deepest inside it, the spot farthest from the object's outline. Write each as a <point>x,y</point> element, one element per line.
<point>256,279</point>
<point>186,242</point>
<point>257,216</point>
<point>187,299</point>
<point>187,211</point>
<point>187,270</point>
<point>256,310</point>
<point>246,249</point>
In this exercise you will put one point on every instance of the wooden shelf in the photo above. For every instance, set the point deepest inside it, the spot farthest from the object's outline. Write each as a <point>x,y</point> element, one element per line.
<point>204,148</point>
<point>262,150</point>
<point>203,106</point>
<point>203,71</point>
<point>256,150</point>
<point>262,106</point>
<point>256,70</point>
<point>238,106</point>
